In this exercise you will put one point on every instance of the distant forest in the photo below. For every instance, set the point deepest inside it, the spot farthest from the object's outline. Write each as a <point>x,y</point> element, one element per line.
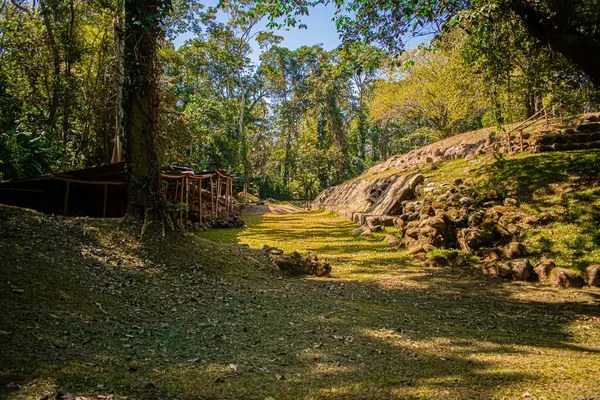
<point>290,125</point>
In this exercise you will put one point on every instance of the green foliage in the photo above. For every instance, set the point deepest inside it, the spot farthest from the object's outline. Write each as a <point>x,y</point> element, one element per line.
<point>24,154</point>
<point>177,207</point>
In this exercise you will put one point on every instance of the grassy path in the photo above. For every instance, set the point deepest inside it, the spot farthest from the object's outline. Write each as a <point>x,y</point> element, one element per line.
<point>87,309</point>
<point>381,328</point>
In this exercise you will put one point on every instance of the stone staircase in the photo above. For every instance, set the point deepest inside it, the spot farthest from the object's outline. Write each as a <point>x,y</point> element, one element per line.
<point>583,137</point>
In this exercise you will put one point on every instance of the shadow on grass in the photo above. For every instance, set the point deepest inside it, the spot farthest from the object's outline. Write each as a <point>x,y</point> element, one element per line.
<point>193,325</point>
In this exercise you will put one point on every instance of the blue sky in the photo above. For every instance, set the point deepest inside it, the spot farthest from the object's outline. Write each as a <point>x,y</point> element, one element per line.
<point>321,30</point>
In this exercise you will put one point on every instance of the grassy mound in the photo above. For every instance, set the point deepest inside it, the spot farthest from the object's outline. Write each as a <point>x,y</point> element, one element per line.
<point>85,303</point>
<point>561,185</point>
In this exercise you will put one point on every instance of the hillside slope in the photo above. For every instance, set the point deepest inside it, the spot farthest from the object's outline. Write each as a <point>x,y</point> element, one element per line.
<point>380,190</point>
<point>458,194</point>
<point>85,303</point>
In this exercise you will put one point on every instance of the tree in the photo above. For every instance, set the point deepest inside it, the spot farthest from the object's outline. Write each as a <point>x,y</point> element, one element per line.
<point>570,27</point>
<point>436,90</point>
<point>143,31</point>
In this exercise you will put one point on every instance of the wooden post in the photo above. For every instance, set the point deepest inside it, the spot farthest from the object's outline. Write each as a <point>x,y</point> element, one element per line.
<point>200,198</point>
<point>218,192</point>
<point>508,142</point>
<point>105,198</point>
<point>521,136</point>
<point>181,201</point>
<point>187,200</point>
<point>227,196</point>
<point>230,195</point>
<point>66,203</point>
<point>212,198</point>
<point>176,189</point>
<point>546,112</point>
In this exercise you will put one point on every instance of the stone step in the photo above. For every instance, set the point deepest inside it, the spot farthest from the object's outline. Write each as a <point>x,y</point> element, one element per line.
<point>549,139</point>
<point>588,127</point>
<point>569,146</point>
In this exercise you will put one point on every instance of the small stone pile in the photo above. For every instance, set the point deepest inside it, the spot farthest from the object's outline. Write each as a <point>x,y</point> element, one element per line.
<point>294,264</point>
<point>232,222</point>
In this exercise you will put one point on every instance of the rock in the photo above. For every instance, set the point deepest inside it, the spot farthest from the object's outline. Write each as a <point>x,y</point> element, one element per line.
<point>367,233</point>
<point>438,205</point>
<point>436,261</point>
<point>474,239</point>
<point>498,231</point>
<point>459,261</point>
<point>416,249</point>
<point>476,219</point>
<point>436,223</point>
<point>409,207</point>
<point>375,228</point>
<point>566,278</point>
<point>543,269</point>
<point>593,275</point>
<point>495,254</point>
<point>294,264</point>
<point>271,250</point>
<point>319,268</point>
<point>514,250</point>
<point>391,240</point>
<point>511,202</point>
<point>457,182</point>
<point>358,231</point>
<point>466,201</point>
<point>440,261</point>
<point>518,270</point>
<point>399,223</point>
<point>427,210</point>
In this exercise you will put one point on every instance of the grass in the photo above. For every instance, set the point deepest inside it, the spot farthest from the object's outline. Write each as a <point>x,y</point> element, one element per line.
<point>88,309</point>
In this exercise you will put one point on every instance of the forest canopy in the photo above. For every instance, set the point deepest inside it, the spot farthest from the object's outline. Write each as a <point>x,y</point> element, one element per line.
<point>290,122</point>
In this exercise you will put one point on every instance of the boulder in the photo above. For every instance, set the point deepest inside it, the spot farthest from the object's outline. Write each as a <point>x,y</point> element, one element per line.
<point>471,239</point>
<point>514,250</point>
<point>436,261</point>
<point>435,222</point>
<point>367,233</point>
<point>593,275</point>
<point>391,240</point>
<point>543,269</point>
<point>498,231</point>
<point>457,182</point>
<point>566,278</point>
<point>518,270</point>
<point>358,231</point>
<point>466,201</point>
<point>399,223</point>
<point>476,218</point>
<point>511,202</point>
<point>427,210</point>
<point>294,264</point>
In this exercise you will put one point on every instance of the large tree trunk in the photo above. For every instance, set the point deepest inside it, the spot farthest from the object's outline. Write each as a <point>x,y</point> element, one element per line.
<point>117,154</point>
<point>559,32</point>
<point>140,110</point>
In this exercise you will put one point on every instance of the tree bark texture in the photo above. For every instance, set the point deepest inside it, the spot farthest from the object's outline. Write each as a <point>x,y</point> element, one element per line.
<point>140,110</point>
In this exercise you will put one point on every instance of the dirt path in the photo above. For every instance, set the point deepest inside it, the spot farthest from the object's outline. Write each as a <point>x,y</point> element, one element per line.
<point>272,209</point>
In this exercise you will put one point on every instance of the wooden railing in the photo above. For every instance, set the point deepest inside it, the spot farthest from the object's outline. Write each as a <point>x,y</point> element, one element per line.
<point>524,125</point>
